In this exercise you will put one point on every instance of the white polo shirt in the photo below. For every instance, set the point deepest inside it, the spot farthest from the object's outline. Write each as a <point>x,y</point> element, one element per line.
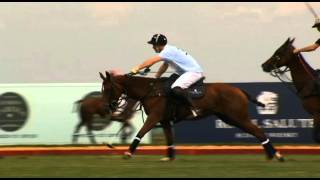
<point>180,60</point>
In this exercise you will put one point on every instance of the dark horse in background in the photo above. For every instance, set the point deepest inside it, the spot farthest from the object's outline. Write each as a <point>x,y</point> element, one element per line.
<point>91,106</point>
<point>304,79</point>
<point>228,103</point>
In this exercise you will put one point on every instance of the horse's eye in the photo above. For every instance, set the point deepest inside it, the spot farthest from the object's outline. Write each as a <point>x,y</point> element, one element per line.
<point>277,57</point>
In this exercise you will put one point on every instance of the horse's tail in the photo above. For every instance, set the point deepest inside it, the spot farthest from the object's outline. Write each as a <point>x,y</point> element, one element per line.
<point>255,101</point>
<point>76,105</point>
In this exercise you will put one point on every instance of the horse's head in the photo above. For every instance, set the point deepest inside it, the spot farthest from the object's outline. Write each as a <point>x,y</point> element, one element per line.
<point>280,58</point>
<point>111,90</point>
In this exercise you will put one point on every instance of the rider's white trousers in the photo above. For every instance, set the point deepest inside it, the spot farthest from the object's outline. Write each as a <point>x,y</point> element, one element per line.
<point>187,79</point>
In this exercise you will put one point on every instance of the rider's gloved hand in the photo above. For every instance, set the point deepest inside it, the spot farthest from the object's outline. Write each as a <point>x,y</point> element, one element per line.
<point>135,70</point>
<point>296,51</point>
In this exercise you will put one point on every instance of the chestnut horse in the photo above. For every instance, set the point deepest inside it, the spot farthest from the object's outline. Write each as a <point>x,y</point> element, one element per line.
<point>304,79</point>
<point>225,101</point>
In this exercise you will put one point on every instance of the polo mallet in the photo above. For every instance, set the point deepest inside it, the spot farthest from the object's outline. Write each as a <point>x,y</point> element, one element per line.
<point>109,145</point>
<point>313,12</point>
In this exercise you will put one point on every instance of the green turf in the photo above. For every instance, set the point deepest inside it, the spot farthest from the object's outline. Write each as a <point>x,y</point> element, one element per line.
<point>150,166</point>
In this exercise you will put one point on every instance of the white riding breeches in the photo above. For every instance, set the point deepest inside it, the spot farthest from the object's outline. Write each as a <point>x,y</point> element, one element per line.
<point>187,79</point>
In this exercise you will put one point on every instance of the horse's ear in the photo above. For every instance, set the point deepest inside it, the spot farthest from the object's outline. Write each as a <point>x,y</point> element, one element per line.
<point>292,40</point>
<point>102,76</point>
<point>108,76</point>
<point>287,41</point>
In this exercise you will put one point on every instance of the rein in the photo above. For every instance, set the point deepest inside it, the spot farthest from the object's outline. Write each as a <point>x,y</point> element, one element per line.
<point>278,73</point>
<point>149,92</point>
<point>114,105</point>
<point>142,114</point>
<point>141,110</point>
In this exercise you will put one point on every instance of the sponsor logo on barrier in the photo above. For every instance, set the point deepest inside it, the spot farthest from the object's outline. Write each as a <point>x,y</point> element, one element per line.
<point>271,135</point>
<point>270,99</point>
<point>14,112</point>
<point>273,123</point>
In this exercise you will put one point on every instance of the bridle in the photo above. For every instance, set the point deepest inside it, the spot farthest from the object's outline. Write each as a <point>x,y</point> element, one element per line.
<point>121,103</point>
<point>277,70</point>
<point>110,102</point>
<point>280,74</point>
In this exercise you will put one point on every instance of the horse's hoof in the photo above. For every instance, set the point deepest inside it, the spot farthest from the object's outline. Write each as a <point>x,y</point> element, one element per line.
<point>167,159</point>
<point>127,155</point>
<point>279,157</point>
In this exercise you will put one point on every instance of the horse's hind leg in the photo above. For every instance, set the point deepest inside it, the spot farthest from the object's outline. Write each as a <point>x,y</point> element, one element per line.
<point>78,127</point>
<point>89,132</point>
<point>248,127</point>
<point>252,129</point>
<point>168,132</point>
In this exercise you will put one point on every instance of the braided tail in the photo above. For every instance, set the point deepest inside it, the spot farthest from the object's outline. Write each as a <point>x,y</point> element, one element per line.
<point>255,101</point>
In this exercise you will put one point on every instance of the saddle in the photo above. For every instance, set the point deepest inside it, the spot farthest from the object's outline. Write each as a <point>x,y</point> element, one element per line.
<point>196,91</point>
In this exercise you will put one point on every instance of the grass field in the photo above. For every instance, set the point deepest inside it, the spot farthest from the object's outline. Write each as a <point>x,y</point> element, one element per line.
<point>150,166</point>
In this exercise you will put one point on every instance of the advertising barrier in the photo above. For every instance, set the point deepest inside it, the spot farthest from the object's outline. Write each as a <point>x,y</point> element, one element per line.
<point>283,119</point>
<point>45,114</point>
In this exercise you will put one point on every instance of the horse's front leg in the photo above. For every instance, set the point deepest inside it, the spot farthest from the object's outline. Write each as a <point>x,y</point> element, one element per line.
<point>168,132</point>
<point>151,121</point>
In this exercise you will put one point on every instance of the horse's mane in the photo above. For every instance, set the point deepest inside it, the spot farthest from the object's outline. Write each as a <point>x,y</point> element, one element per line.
<point>139,79</point>
<point>148,79</point>
<point>306,64</point>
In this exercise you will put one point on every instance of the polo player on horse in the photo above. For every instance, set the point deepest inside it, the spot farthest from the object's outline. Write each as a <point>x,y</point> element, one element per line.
<point>227,102</point>
<point>313,46</point>
<point>310,48</point>
<point>183,63</point>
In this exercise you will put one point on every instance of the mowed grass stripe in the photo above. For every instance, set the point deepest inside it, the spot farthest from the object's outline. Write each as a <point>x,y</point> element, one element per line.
<point>150,166</point>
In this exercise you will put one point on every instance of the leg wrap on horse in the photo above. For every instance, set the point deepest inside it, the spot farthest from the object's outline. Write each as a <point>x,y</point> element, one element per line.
<point>269,148</point>
<point>135,144</point>
<point>171,152</point>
